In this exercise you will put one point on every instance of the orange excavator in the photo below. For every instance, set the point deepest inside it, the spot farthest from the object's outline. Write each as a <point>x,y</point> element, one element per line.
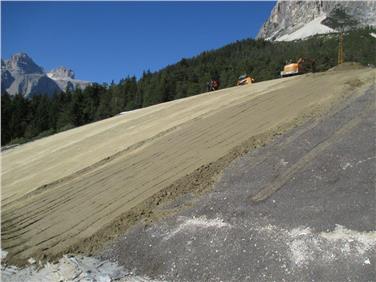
<point>245,79</point>
<point>300,67</point>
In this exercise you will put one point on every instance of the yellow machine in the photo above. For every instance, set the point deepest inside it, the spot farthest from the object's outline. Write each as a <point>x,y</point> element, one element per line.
<point>300,67</point>
<point>293,68</point>
<point>245,79</point>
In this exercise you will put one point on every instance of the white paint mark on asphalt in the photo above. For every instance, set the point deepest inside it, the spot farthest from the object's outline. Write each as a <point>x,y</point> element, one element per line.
<point>364,240</point>
<point>283,162</point>
<point>305,246</point>
<point>365,160</point>
<point>346,165</point>
<point>192,224</point>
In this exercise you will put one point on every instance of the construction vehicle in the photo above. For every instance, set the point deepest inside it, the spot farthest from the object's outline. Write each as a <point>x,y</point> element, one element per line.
<point>300,67</point>
<point>213,85</point>
<point>245,79</point>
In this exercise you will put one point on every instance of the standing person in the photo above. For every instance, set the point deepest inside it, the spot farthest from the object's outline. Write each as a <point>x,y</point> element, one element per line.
<point>208,85</point>
<point>217,84</point>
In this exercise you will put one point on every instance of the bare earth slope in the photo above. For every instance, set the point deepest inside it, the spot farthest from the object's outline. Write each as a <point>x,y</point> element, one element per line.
<point>316,222</point>
<point>59,191</point>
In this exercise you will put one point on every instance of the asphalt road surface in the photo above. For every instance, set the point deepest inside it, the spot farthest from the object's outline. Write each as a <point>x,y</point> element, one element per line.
<point>299,209</point>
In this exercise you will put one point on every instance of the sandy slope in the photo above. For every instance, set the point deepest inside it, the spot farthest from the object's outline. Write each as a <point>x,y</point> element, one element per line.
<point>59,191</point>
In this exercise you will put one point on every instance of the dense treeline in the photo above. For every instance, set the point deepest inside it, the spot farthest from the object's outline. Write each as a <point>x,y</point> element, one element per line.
<point>25,119</point>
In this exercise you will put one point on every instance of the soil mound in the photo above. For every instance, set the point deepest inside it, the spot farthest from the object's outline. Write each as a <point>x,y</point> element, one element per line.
<point>347,66</point>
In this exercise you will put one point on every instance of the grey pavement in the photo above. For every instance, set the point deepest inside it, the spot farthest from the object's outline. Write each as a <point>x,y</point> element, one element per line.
<point>299,209</point>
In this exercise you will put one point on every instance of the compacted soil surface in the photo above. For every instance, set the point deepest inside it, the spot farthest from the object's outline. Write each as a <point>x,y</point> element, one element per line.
<point>302,208</point>
<point>76,190</point>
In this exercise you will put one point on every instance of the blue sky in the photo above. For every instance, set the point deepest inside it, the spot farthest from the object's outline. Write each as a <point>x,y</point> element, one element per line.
<point>105,41</point>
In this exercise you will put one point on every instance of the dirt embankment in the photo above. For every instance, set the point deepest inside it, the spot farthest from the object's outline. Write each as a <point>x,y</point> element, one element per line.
<point>348,66</point>
<point>75,190</point>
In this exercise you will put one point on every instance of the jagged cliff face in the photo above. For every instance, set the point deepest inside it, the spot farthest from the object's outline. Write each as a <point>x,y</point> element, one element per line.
<point>21,63</point>
<point>299,19</point>
<point>61,72</point>
<point>65,79</point>
<point>21,75</point>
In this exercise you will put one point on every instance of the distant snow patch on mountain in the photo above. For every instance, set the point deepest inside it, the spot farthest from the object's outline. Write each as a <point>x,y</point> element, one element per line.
<point>291,20</point>
<point>312,28</point>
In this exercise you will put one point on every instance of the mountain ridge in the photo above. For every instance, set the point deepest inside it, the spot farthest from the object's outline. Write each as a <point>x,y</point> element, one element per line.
<point>21,75</point>
<point>289,19</point>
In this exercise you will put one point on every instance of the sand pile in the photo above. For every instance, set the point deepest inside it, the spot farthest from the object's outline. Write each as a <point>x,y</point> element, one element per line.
<point>348,66</point>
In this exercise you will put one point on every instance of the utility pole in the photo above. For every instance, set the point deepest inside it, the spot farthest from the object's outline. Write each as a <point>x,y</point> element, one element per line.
<point>341,55</point>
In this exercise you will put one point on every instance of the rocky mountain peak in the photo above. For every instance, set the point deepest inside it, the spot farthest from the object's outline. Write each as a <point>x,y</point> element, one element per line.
<point>22,63</point>
<point>61,73</point>
<point>20,75</point>
<point>305,18</point>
